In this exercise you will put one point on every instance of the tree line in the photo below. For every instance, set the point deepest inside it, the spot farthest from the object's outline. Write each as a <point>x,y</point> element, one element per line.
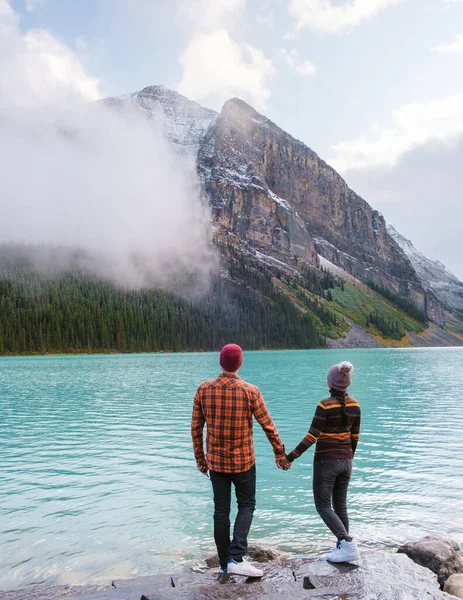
<point>73,312</point>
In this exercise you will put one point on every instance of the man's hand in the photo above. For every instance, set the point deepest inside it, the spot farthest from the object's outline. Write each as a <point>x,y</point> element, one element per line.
<point>202,467</point>
<point>283,463</point>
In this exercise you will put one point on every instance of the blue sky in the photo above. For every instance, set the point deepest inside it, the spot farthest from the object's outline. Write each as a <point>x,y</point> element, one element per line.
<point>373,86</point>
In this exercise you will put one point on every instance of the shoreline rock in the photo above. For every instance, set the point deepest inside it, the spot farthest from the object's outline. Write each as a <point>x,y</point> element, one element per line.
<point>430,552</point>
<point>379,575</point>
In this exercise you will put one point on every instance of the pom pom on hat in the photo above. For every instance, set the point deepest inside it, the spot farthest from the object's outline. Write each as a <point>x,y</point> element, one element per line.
<point>340,376</point>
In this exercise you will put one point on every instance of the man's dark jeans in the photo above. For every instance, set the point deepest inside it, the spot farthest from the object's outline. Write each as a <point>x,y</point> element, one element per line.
<point>330,482</point>
<point>245,490</point>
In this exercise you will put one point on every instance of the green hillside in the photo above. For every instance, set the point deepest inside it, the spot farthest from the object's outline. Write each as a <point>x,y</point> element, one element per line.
<point>369,309</point>
<point>253,305</point>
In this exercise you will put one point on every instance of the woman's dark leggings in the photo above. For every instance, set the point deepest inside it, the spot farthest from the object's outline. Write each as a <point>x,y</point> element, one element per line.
<point>330,482</point>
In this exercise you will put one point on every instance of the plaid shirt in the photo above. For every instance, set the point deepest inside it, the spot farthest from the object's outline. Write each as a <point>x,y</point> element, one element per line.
<point>226,405</point>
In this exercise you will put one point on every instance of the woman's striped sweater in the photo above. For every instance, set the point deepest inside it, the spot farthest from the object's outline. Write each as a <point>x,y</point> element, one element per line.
<point>336,435</point>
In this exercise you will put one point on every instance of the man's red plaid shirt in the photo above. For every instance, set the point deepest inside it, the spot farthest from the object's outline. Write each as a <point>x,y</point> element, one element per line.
<point>227,405</point>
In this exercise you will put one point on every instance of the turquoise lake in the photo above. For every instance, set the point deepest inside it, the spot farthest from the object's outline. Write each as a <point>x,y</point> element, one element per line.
<point>98,479</point>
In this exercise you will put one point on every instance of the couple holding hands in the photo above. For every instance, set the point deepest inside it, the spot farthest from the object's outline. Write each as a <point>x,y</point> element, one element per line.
<point>227,405</point>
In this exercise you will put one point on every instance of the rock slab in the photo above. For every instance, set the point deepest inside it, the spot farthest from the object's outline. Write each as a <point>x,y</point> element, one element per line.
<point>378,576</point>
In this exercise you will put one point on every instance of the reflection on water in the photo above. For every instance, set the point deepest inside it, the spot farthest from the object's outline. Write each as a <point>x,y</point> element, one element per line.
<point>98,479</point>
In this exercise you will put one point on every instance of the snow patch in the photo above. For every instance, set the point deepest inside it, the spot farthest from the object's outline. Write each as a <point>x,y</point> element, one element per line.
<point>281,201</point>
<point>272,262</point>
<point>323,243</point>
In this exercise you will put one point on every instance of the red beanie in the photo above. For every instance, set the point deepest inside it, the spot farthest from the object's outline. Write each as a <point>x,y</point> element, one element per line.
<point>231,358</point>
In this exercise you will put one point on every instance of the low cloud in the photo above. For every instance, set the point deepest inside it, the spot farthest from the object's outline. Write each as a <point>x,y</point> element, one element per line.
<point>79,174</point>
<point>328,16</point>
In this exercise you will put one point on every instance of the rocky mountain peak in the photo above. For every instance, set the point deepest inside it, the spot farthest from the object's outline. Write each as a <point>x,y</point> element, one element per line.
<point>185,122</point>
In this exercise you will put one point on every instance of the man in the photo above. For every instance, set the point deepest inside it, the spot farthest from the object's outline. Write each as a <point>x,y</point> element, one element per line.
<point>227,405</point>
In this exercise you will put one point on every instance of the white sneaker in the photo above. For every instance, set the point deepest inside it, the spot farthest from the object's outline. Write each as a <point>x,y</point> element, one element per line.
<point>344,552</point>
<point>243,568</point>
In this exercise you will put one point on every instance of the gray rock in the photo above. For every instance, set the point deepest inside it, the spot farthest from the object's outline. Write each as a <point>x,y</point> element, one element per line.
<point>430,552</point>
<point>454,585</point>
<point>379,576</point>
<point>452,565</point>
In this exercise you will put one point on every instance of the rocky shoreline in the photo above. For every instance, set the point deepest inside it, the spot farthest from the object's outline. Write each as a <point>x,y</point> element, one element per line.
<point>431,568</point>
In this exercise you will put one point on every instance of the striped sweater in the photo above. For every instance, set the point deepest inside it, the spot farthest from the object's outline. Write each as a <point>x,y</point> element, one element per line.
<point>336,435</point>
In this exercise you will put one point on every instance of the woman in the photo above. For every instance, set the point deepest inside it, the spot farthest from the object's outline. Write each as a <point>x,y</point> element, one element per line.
<point>335,428</point>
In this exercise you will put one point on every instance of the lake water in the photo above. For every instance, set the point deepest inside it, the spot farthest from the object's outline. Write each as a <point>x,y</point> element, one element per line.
<point>98,480</point>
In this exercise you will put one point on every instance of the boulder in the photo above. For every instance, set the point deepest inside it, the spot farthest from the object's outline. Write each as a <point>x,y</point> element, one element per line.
<point>454,585</point>
<point>452,565</point>
<point>430,552</point>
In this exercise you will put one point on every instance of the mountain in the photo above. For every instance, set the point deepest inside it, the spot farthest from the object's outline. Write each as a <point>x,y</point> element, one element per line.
<point>277,202</point>
<point>305,261</point>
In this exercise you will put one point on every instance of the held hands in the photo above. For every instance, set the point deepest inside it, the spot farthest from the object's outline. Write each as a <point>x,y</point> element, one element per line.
<point>202,467</point>
<point>283,463</point>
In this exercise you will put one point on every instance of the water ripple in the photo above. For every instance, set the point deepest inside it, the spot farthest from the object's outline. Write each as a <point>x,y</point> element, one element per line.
<point>98,478</point>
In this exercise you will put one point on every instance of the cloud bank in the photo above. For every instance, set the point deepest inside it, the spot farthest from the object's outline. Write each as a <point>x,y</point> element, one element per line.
<point>80,174</point>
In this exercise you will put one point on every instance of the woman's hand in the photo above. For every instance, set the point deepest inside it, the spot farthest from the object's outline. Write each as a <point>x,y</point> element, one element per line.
<point>283,463</point>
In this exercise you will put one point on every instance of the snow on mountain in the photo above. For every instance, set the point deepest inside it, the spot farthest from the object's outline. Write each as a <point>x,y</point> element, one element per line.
<point>433,274</point>
<point>185,121</point>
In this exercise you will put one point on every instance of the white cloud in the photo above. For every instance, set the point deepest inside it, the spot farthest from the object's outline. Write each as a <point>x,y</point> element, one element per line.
<point>80,174</point>
<point>37,69</point>
<point>294,62</point>
<point>455,47</point>
<point>413,125</point>
<point>7,14</point>
<point>32,5</point>
<point>326,16</point>
<point>210,14</point>
<point>215,65</point>
<point>215,68</point>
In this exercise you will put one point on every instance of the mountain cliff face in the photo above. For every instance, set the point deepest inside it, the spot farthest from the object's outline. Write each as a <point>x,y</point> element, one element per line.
<point>276,193</point>
<point>274,199</point>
